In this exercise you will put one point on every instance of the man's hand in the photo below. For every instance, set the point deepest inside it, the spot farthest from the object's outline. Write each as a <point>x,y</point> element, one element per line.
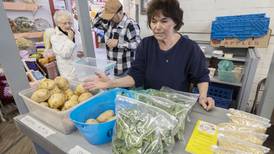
<point>207,103</point>
<point>112,43</point>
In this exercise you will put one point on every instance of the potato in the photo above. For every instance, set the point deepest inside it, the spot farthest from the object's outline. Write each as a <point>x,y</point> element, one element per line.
<point>43,61</point>
<point>55,90</point>
<point>62,83</point>
<point>74,97</point>
<point>68,94</point>
<point>84,97</point>
<point>69,104</point>
<point>80,89</point>
<point>44,104</point>
<point>40,95</point>
<point>56,100</point>
<point>112,118</point>
<point>56,110</point>
<point>47,84</point>
<point>91,121</point>
<point>103,117</point>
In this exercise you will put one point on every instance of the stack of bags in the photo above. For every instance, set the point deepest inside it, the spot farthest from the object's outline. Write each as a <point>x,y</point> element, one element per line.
<point>150,121</point>
<point>245,133</point>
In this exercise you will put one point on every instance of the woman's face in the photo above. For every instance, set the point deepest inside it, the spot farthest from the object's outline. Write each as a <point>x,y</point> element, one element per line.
<point>162,26</point>
<point>65,24</point>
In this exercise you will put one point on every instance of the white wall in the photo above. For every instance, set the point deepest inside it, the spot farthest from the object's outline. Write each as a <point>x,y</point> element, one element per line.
<point>198,15</point>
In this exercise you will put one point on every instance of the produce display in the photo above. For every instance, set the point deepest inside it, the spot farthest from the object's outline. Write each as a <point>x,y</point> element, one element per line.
<point>24,44</point>
<point>23,24</point>
<point>56,94</point>
<point>30,1</point>
<point>41,24</point>
<point>103,117</point>
<point>12,25</point>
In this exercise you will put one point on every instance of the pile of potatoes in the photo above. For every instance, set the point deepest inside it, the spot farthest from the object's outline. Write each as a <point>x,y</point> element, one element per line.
<point>56,94</point>
<point>103,117</point>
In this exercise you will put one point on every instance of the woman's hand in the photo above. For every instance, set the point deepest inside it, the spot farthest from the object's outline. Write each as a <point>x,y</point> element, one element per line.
<point>101,81</point>
<point>80,54</point>
<point>207,103</point>
<point>70,34</point>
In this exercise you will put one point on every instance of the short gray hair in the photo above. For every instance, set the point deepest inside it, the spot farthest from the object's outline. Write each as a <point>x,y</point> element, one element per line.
<point>58,15</point>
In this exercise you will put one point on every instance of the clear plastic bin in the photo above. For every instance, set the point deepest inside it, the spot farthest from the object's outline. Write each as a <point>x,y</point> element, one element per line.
<point>233,76</point>
<point>56,119</point>
<point>87,67</point>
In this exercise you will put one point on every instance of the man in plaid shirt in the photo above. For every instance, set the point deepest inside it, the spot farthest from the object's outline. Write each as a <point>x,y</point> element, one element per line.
<point>122,35</point>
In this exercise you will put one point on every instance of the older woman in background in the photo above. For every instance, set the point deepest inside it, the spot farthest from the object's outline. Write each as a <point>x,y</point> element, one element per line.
<point>66,43</point>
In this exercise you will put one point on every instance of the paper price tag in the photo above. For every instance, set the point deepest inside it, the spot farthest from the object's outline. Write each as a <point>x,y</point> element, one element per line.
<point>37,126</point>
<point>78,150</point>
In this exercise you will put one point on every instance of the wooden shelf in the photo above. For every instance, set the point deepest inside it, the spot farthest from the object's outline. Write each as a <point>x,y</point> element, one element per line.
<point>28,35</point>
<point>19,6</point>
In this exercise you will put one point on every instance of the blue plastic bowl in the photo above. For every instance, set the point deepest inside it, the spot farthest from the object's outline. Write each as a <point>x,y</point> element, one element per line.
<point>96,133</point>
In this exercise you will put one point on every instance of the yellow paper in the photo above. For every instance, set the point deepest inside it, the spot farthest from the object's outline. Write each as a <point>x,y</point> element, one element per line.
<point>203,137</point>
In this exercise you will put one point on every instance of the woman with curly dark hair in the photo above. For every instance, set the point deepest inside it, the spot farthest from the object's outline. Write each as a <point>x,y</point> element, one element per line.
<point>164,59</point>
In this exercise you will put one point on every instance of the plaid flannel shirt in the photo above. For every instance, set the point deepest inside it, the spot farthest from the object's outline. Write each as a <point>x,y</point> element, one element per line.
<point>128,34</point>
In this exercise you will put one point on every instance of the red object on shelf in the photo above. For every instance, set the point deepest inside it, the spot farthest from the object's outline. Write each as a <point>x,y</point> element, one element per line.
<point>52,70</point>
<point>5,93</point>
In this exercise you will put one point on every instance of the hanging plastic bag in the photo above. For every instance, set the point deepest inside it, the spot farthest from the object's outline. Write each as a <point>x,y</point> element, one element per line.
<point>142,128</point>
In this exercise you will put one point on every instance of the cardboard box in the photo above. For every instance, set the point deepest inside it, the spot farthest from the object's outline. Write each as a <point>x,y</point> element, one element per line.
<point>261,42</point>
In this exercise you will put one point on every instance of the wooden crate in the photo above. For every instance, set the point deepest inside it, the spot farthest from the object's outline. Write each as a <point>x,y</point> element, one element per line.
<point>261,42</point>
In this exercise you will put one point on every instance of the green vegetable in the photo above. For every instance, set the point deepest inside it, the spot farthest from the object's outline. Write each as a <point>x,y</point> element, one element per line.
<point>142,128</point>
<point>175,104</point>
<point>135,135</point>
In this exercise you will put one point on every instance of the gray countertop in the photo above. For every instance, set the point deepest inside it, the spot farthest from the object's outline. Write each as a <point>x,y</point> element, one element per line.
<point>61,143</point>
